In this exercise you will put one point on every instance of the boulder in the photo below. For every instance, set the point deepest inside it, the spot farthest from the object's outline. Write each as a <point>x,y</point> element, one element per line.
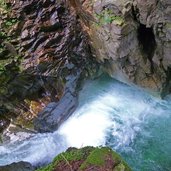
<point>20,166</point>
<point>88,159</point>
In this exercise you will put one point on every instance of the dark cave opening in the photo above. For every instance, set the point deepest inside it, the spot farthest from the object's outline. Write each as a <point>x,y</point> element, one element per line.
<point>147,42</point>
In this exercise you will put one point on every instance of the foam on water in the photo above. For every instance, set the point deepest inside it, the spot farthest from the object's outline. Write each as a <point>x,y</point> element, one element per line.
<point>122,117</point>
<point>117,111</point>
<point>110,113</point>
<point>87,126</point>
<point>39,149</point>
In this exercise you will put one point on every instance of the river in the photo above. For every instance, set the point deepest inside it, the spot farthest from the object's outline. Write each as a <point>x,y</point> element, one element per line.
<point>126,118</point>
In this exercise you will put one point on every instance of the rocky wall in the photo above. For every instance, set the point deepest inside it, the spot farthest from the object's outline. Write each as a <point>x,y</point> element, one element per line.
<point>132,40</point>
<point>51,50</point>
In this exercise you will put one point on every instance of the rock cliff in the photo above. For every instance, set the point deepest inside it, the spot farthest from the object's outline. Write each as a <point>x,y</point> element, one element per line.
<point>46,56</point>
<point>132,40</point>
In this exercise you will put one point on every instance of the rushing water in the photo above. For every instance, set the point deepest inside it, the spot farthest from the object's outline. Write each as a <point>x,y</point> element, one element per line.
<point>126,118</point>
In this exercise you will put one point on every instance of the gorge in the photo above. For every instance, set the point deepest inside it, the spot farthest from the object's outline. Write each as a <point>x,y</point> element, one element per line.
<point>78,73</point>
<point>125,118</point>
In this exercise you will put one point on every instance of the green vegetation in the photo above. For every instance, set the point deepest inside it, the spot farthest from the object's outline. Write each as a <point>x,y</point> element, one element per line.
<point>168,25</point>
<point>107,17</point>
<point>98,156</point>
<point>2,5</point>
<point>8,53</point>
<point>10,60</point>
<point>89,156</point>
<point>70,155</point>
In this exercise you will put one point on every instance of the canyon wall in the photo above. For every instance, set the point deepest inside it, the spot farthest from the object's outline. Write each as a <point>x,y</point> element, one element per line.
<point>49,47</point>
<point>132,40</point>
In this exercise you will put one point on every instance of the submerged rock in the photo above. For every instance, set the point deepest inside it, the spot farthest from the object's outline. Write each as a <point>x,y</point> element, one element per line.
<point>20,166</point>
<point>87,159</point>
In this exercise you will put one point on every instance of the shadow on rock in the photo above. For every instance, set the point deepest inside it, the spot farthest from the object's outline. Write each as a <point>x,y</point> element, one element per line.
<point>20,166</point>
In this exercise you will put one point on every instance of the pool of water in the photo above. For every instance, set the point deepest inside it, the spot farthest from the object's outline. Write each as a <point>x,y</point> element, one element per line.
<point>126,118</point>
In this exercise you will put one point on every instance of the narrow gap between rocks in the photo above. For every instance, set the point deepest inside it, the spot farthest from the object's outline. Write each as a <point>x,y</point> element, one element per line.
<point>147,42</point>
<point>167,86</point>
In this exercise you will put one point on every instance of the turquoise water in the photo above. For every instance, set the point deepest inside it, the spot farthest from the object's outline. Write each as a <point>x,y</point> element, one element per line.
<point>128,119</point>
<point>151,149</point>
<point>137,124</point>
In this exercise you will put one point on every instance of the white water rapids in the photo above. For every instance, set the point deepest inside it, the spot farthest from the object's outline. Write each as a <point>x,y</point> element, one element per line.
<point>126,118</point>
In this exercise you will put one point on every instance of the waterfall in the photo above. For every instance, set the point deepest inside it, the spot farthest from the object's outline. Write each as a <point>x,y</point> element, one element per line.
<point>127,118</point>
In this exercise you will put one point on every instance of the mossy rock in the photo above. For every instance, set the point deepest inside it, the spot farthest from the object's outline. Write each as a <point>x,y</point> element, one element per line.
<point>88,159</point>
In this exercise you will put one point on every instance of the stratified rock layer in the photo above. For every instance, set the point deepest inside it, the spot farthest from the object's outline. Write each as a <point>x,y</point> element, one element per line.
<point>52,50</point>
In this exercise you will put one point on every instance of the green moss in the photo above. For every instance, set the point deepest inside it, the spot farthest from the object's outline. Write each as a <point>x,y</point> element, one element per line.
<point>122,165</point>
<point>2,5</point>
<point>96,158</point>
<point>118,20</point>
<point>6,25</point>
<point>9,61</point>
<point>168,25</point>
<point>72,154</point>
<point>10,22</point>
<point>90,156</point>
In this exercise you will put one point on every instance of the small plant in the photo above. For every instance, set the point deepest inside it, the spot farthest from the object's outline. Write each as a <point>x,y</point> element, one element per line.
<point>8,53</point>
<point>3,5</point>
<point>168,25</point>
<point>10,60</point>
<point>108,17</point>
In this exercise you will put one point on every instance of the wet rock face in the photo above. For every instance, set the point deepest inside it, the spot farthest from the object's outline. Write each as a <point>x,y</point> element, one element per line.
<point>132,39</point>
<point>55,114</point>
<point>52,46</point>
<point>4,123</point>
<point>20,166</point>
<point>51,34</point>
